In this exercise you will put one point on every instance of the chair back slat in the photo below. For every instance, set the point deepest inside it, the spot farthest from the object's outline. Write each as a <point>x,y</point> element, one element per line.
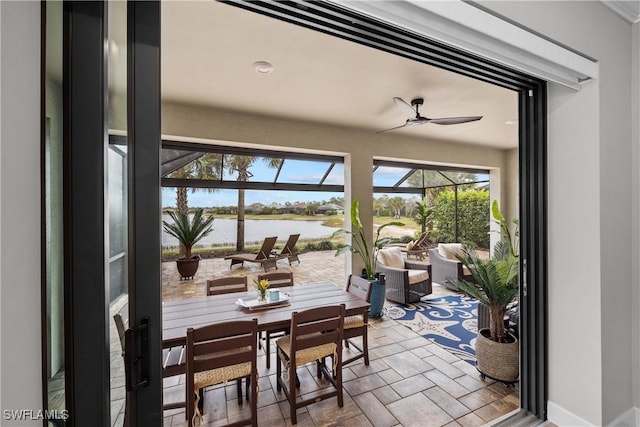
<point>317,326</point>
<point>226,285</point>
<point>278,278</point>
<point>267,247</point>
<point>221,345</point>
<point>308,341</point>
<point>290,245</point>
<point>359,287</point>
<point>213,362</point>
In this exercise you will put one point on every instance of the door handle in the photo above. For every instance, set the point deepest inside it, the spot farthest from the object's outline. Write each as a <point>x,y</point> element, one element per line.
<point>136,356</point>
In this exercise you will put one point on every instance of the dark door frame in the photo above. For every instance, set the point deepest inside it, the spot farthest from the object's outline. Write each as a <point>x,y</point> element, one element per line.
<point>342,22</point>
<point>85,138</point>
<point>86,302</point>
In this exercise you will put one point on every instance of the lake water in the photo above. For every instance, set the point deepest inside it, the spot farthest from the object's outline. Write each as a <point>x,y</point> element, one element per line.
<point>255,230</point>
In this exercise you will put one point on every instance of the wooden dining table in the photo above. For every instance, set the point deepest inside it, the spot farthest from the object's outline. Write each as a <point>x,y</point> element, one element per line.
<point>179,315</point>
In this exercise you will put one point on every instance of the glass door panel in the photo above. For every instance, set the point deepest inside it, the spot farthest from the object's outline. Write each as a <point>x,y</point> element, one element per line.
<point>54,265</point>
<point>116,207</point>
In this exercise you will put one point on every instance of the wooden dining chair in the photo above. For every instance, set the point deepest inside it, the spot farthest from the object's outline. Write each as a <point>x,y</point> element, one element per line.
<point>357,325</point>
<point>226,285</point>
<point>219,353</point>
<point>315,334</point>
<point>276,279</point>
<point>121,319</point>
<point>173,357</point>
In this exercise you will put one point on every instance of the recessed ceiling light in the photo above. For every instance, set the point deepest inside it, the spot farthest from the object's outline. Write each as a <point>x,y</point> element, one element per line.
<point>263,67</point>
<point>511,122</point>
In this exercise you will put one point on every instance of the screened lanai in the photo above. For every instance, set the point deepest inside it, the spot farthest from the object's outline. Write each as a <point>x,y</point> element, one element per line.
<point>208,166</point>
<point>197,165</point>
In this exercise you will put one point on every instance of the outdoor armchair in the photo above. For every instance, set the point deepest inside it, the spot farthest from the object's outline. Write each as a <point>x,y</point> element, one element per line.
<point>446,266</point>
<point>406,281</point>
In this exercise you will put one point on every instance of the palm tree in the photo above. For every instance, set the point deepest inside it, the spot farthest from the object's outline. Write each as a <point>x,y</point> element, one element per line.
<point>396,204</point>
<point>423,213</point>
<point>207,166</point>
<point>240,165</point>
<point>378,206</point>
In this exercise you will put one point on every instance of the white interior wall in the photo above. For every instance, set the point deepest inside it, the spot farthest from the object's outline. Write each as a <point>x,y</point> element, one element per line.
<point>20,353</point>
<point>635,211</point>
<point>590,182</point>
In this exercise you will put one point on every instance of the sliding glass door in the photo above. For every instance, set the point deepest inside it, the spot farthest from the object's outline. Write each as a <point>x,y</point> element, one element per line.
<point>101,253</point>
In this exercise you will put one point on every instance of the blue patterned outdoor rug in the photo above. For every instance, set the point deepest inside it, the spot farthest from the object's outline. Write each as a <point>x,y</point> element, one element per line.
<point>449,321</point>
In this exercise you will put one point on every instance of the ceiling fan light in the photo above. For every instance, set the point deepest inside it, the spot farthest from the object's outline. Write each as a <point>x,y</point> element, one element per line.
<point>263,67</point>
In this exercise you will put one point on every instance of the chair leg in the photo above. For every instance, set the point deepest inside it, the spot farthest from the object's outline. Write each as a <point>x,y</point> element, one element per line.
<point>267,346</point>
<point>278,371</point>
<point>254,401</point>
<point>337,375</point>
<point>293,376</point>
<point>365,345</point>
<point>239,390</point>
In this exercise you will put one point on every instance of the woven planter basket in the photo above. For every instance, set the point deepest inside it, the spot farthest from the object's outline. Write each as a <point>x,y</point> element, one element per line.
<point>498,361</point>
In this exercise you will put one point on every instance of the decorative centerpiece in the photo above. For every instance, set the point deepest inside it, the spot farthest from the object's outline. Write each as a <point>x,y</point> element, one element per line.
<point>263,287</point>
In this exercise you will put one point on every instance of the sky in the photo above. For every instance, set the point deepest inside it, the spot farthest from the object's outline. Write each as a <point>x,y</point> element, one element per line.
<point>293,171</point>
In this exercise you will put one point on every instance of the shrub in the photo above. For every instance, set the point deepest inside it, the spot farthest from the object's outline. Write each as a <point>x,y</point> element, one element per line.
<point>473,217</point>
<point>324,245</point>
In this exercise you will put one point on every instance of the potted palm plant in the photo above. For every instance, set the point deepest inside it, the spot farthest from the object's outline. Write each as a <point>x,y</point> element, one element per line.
<point>188,232</point>
<point>497,285</point>
<point>369,255</point>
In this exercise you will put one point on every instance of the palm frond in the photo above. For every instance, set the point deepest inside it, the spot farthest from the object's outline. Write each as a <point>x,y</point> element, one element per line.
<point>188,231</point>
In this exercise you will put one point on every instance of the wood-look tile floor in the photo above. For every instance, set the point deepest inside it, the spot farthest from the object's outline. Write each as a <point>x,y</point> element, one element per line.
<point>410,381</point>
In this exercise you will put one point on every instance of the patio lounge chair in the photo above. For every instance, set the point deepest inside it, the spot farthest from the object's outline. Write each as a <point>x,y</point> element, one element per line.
<point>420,247</point>
<point>263,256</point>
<point>289,250</point>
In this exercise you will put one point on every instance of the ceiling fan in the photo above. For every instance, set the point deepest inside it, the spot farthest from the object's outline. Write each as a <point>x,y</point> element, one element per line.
<point>420,120</point>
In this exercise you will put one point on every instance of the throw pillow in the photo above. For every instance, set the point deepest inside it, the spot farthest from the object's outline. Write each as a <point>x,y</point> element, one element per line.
<point>410,245</point>
<point>391,257</point>
<point>450,250</point>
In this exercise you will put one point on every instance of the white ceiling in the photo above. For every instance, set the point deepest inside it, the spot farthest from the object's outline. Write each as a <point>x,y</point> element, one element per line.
<point>208,49</point>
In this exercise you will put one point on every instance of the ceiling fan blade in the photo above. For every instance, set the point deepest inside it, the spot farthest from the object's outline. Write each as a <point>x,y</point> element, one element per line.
<point>454,120</point>
<point>406,108</point>
<point>407,123</point>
